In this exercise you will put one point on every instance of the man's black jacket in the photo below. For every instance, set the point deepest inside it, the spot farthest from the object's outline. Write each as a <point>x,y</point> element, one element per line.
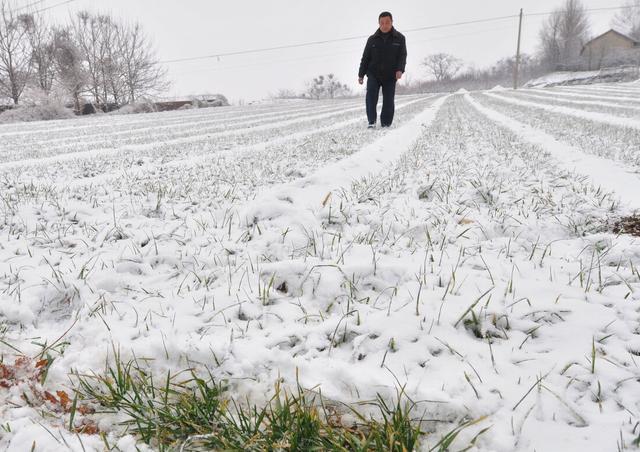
<point>384,54</point>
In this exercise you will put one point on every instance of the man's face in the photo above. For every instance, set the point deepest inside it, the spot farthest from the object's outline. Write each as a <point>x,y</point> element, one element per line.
<point>385,24</point>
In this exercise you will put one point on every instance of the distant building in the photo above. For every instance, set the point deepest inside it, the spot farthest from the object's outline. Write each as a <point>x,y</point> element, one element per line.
<point>610,49</point>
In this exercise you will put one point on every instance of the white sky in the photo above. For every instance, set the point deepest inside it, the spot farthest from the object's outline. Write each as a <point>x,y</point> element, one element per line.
<point>200,27</point>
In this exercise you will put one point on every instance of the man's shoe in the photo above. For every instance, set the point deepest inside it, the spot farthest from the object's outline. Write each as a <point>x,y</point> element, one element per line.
<point>371,126</point>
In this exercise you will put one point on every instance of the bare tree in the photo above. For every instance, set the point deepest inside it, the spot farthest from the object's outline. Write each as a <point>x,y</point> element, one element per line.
<point>503,69</point>
<point>563,35</point>
<point>71,73</point>
<point>442,66</point>
<point>86,36</point>
<point>41,41</point>
<point>120,60</point>
<point>142,73</point>
<point>315,87</point>
<point>285,93</point>
<point>628,19</point>
<point>15,54</point>
<point>95,55</point>
<point>550,41</point>
<point>326,86</point>
<point>334,88</point>
<point>574,33</point>
<point>111,59</point>
<point>95,37</point>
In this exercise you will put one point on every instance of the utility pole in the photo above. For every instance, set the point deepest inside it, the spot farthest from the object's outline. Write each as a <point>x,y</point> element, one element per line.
<point>517,67</point>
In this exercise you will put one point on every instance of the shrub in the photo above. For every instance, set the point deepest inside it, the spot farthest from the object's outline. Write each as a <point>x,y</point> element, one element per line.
<point>213,100</point>
<point>143,106</point>
<point>45,112</point>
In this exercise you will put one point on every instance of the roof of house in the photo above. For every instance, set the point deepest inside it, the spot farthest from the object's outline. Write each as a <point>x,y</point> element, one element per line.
<point>622,35</point>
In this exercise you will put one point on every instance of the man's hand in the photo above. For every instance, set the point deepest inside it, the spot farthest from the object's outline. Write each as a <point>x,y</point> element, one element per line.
<point>398,75</point>
<point>360,80</point>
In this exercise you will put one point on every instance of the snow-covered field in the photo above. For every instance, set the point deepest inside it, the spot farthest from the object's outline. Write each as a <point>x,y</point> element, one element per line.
<point>466,254</point>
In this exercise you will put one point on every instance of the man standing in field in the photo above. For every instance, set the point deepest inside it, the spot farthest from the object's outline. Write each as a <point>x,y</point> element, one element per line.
<point>383,62</point>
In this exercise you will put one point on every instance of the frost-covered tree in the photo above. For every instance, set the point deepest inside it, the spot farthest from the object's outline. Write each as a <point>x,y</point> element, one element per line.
<point>574,32</point>
<point>550,41</point>
<point>120,60</point>
<point>15,53</point>
<point>442,66</point>
<point>87,37</point>
<point>42,44</point>
<point>142,74</point>
<point>326,87</point>
<point>71,74</point>
<point>285,93</point>
<point>95,55</point>
<point>563,35</point>
<point>627,20</point>
<point>97,37</point>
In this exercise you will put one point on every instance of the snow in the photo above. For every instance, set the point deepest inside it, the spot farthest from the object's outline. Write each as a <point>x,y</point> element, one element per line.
<point>308,192</point>
<point>466,253</point>
<point>629,102</point>
<point>604,172</point>
<point>598,117</point>
<point>541,95</point>
<point>498,88</point>
<point>556,78</point>
<point>585,78</point>
<point>625,88</point>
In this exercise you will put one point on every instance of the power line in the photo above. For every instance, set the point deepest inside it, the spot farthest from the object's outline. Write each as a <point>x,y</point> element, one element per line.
<point>53,6</point>
<point>609,8</point>
<point>456,24</point>
<point>264,49</point>
<point>333,54</point>
<point>351,38</point>
<point>30,5</point>
<point>327,41</point>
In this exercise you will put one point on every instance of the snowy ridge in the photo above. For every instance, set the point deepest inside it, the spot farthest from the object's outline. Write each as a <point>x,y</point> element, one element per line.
<point>549,97</point>
<point>581,94</point>
<point>604,118</point>
<point>609,175</point>
<point>611,139</point>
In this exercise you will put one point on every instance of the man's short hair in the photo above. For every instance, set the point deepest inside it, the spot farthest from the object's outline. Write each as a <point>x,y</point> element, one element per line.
<point>385,14</point>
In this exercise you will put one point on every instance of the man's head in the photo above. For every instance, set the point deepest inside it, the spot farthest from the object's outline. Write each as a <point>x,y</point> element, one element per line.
<point>385,21</point>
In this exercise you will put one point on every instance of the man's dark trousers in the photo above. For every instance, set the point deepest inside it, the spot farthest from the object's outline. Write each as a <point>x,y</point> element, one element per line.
<point>388,95</point>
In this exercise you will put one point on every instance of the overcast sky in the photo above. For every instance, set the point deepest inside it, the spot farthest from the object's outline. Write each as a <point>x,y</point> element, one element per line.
<point>202,27</point>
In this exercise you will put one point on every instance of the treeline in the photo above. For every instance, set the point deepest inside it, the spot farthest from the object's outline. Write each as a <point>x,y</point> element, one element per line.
<point>560,43</point>
<point>320,87</point>
<point>451,74</point>
<point>95,56</point>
